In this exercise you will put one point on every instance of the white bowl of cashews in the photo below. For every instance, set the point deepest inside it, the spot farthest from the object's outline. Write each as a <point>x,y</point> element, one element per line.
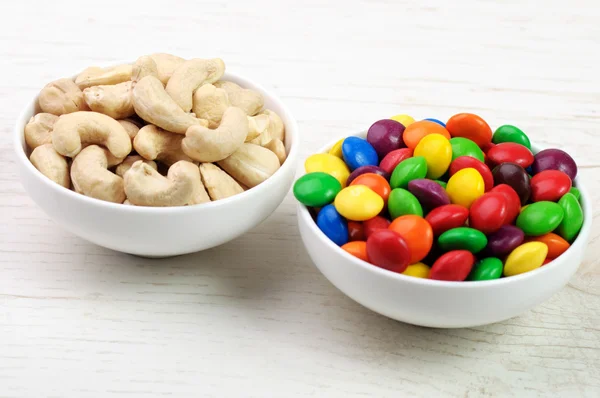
<point>157,158</point>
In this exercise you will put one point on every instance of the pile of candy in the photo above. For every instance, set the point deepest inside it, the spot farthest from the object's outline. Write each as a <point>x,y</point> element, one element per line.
<point>444,201</point>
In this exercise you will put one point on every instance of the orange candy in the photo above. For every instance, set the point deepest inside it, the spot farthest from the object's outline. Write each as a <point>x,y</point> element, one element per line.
<point>417,233</point>
<point>468,125</point>
<point>415,132</point>
<point>357,248</point>
<point>377,183</point>
<point>556,244</point>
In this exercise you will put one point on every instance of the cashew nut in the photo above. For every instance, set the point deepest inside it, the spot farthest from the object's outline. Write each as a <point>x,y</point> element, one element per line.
<point>60,97</point>
<point>154,143</point>
<point>130,127</point>
<point>249,101</point>
<point>128,203</point>
<point>113,100</point>
<point>74,129</point>
<point>206,145</point>
<point>251,164</point>
<point>129,161</point>
<point>166,65</point>
<point>257,126</point>
<point>144,66</point>
<point>51,164</point>
<point>145,186</point>
<point>38,131</point>
<point>189,76</point>
<point>92,178</point>
<point>152,103</point>
<point>278,148</point>
<point>199,194</point>
<point>95,76</point>
<point>210,103</point>
<point>219,184</point>
<point>276,126</point>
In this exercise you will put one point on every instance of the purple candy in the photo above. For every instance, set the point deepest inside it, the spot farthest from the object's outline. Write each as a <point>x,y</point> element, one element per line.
<point>385,136</point>
<point>554,159</point>
<point>367,169</point>
<point>429,193</point>
<point>504,241</point>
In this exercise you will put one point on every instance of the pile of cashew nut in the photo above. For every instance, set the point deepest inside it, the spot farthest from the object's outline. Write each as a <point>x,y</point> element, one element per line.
<point>164,131</point>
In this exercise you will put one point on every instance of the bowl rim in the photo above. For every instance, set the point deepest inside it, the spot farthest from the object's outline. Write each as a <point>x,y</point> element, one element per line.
<point>581,240</point>
<point>291,130</point>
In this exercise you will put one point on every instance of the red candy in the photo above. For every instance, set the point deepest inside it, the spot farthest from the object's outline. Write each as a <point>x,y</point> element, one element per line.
<point>388,250</point>
<point>393,159</point>
<point>453,266</point>
<point>511,152</point>
<point>488,212</point>
<point>447,217</point>
<point>470,126</point>
<point>464,162</point>
<point>513,202</point>
<point>417,233</point>
<point>375,223</point>
<point>549,185</point>
<point>377,183</point>
<point>355,231</point>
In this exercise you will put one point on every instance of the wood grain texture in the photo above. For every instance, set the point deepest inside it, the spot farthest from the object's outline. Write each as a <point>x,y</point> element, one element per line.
<point>254,317</point>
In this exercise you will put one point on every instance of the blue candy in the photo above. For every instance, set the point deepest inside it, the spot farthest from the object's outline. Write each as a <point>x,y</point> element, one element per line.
<point>333,225</point>
<point>358,152</point>
<point>437,121</point>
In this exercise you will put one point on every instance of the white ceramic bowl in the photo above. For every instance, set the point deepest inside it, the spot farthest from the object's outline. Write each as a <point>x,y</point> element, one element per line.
<point>161,232</point>
<point>435,303</point>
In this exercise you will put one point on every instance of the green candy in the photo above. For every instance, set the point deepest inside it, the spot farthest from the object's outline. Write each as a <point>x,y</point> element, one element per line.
<point>577,193</point>
<point>409,169</point>
<point>316,189</point>
<point>442,183</point>
<point>486,269</point>
<point>465,147</point>
<point>539,218</point>
<point>508,133</point>
<point>401,202</point>
<point>463,238</point>
<point>573,219</point>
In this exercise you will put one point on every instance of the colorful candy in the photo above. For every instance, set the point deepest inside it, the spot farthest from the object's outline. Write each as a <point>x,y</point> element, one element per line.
<point>418,130</point>
<point>385,136</point>
<point>316,189</point>
<point>573,217</point>
<point>465,186</point>
<point>388,250</point>
<point>408,170</point>
<point>333,225</point>
<point>401,202</point>
<point>358,152</point>
<point>358,203</point>
<point>437,152</point>
<point>465,147</point>
<point>526,257</point>
<point>549,185</point>
<point>447,202</point>
<point>468,125</point>
<point>508,133</point>
<point>329,164</point>
<point>417,233</point>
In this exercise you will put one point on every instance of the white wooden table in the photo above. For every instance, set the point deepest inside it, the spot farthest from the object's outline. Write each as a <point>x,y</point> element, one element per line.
<point>254,317</point>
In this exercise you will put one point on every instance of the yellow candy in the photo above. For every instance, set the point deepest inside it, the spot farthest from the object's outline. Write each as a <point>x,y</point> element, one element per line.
<point>465,186</point>
<point>437,151</point>
<point>404,119</point>
<point>336,149</point>
<point>418,270</point>
<point>358,203</point>
<point>328,164</point>
<point>524,258</point>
